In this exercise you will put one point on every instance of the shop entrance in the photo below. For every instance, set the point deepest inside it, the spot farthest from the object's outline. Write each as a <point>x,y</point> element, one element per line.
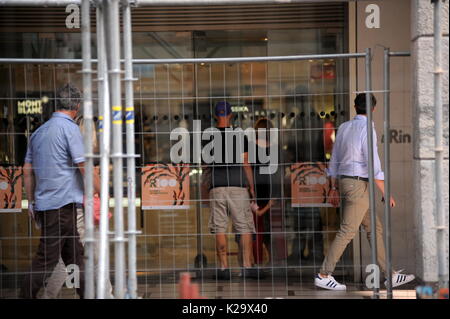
<point>305,100</point>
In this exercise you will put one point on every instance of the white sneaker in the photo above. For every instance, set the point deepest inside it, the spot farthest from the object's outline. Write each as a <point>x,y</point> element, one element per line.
<point>399,279</point>
<point>328,283</point>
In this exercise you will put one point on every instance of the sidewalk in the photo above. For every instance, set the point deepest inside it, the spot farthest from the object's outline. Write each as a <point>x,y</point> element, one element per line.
<point>248,290</point>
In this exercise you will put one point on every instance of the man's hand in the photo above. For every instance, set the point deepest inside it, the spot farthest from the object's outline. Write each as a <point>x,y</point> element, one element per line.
<point>333,197</point>
<point>252,192</point>
<point>31,209</point>
<point>391,201</point>
<point>380,185</point>
<point>254,207</point>
<point>33,216</point>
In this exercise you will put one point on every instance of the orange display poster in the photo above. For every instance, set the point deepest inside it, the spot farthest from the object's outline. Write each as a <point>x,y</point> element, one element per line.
<point>309,185</point>
<point>10,189</point>
<point>165,186</point>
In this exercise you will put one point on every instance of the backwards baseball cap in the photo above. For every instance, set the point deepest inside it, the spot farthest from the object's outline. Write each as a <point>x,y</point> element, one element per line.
<point>223,108</point>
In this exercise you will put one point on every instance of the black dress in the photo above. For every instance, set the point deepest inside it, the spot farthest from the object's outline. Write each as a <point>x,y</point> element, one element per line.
<point>267,187</point>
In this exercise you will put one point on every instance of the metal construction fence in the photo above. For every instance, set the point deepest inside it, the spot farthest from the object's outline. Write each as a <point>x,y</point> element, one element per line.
<point>157,245</point>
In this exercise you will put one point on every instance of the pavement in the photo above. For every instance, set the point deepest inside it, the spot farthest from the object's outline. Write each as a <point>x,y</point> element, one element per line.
<point>153,287</point>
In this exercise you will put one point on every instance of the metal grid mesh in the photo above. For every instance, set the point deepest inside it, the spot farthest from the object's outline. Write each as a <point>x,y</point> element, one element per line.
<point>168,96</point>
<point>266,99</point>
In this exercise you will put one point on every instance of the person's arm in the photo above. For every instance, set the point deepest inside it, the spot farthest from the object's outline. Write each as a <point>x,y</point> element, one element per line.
<point>28,179</point>
<point>333,195</point>
<point>96,177</point>
<point>378,172</point>
<point>249,175</point>
<point>380,185</point>
<point>264,210</point>
<point>332,172</point>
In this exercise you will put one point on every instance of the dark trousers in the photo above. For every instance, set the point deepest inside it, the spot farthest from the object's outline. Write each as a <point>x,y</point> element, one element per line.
<point>59,237</point>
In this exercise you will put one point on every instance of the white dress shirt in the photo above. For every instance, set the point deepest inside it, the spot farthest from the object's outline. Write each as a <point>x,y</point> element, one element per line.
<point>350,153</point>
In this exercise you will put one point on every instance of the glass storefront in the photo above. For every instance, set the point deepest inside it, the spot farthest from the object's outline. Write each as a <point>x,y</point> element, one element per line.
<point>304,100</point>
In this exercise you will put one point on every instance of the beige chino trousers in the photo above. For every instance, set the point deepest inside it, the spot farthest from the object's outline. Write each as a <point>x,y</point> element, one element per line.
<point>355,195</point>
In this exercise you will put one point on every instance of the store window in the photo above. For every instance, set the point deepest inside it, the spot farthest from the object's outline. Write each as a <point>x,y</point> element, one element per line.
<point>305,100</point>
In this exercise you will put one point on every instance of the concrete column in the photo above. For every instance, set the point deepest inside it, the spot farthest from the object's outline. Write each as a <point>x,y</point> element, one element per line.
<point>423,122</point>
<point>394,33</point>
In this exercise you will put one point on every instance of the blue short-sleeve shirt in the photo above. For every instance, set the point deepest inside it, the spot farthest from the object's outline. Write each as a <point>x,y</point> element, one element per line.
<point>54,151</point>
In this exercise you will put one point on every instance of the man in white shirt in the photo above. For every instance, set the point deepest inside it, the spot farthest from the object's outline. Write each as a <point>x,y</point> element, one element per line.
<point>348,167</point>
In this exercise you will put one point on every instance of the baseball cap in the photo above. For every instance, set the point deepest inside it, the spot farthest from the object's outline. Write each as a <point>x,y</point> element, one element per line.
<point>223,108</point>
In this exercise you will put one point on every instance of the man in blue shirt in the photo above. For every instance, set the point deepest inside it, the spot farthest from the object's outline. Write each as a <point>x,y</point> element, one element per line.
<point>53,170</point>
<point>349,166</point>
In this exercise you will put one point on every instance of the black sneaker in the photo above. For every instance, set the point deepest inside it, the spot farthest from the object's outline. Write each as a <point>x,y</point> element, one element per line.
<point>222,274</point>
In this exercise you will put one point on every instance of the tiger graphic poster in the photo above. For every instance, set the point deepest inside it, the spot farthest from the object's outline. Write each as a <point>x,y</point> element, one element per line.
<point>310,185</point>
<point>165,186</point>
<point>10,189</point>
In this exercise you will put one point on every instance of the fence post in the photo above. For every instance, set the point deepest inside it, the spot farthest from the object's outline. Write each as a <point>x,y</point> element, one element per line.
<point>438,147</point>
<point>387,170</point>
<point>131,164</point>
<point>89,166</point>
<point>373,220</point>
<point>105,149</point>
<point>113,40</point>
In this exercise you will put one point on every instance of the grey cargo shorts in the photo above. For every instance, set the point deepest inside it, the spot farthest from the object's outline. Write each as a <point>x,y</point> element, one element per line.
<point>236,202</point>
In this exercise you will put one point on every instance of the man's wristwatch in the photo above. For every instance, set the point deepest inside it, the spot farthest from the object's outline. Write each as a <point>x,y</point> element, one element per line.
<point>334,188</point>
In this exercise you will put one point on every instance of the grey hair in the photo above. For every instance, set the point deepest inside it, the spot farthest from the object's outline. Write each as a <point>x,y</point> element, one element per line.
<point>68,97</point>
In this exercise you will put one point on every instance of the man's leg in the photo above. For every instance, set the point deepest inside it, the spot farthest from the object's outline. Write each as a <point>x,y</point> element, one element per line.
<point>221,247</point>
<point>72,252</point>
<point>239,202</point>
<point>47,255</point>
<point>218,223</point>
<point>56,281</point>
<point>356,204</point>
<point>398,278</point>
<point>237,240</point>
<point>246,249</point>
<point>381,253</point>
